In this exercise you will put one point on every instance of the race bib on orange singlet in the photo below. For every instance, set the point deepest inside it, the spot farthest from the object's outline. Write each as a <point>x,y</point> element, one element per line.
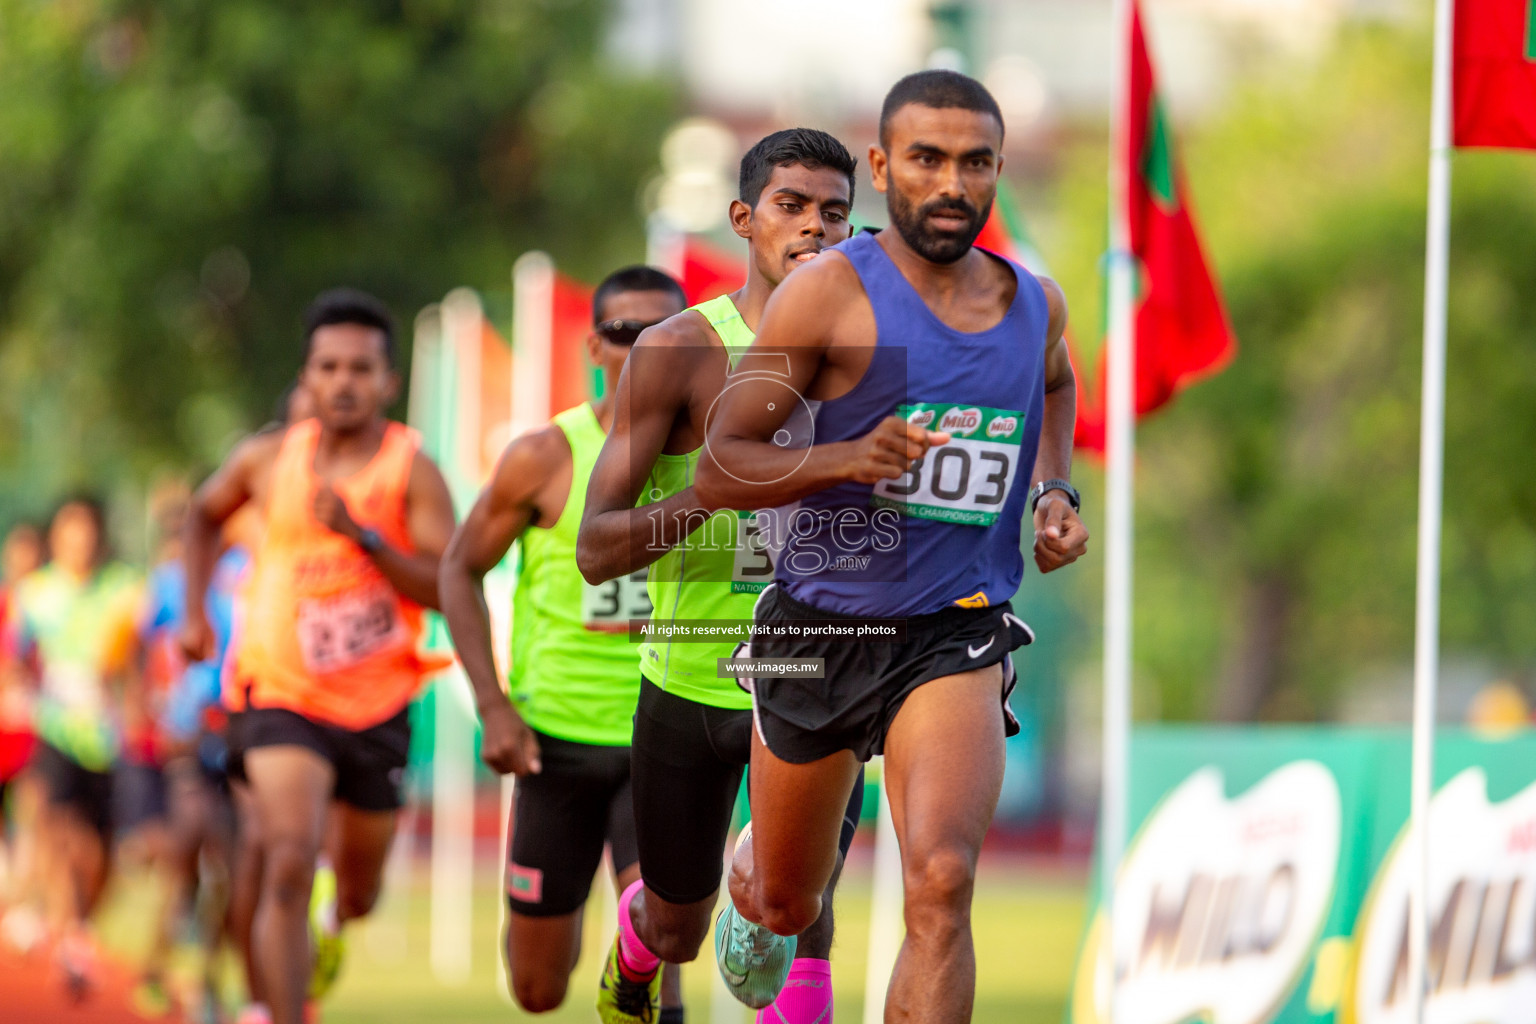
<point>337,633</point>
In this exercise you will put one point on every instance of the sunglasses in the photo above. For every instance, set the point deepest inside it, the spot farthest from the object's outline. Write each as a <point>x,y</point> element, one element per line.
<point>623,332</point>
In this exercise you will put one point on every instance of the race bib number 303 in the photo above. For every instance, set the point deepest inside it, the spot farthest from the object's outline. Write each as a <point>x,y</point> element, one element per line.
<point>966,480</point>
<point>608,607</point>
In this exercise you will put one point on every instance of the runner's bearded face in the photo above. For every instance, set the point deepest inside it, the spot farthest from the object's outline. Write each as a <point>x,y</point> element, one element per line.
<point>801,212</point>
<point>348,376</point>
<point>940,176</point>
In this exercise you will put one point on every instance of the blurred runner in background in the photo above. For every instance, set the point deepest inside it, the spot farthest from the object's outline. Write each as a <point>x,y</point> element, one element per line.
<point>139,798</point>
<point>356,517</point>
<point>195,864</point>
<point>243,530</point>
<point>565,731</point>
<point>20,554</point>
<point>74,625</point>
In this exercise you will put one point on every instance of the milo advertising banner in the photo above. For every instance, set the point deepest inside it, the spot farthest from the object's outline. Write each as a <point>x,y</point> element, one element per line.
<point>1267,881</point>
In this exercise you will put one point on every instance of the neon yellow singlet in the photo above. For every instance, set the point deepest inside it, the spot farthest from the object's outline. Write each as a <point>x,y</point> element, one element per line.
<point>573,666</point>
<point>703,562</point>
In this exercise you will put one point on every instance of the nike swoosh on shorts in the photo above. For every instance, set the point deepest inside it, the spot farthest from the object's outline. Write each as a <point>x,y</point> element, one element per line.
<point>977,652</point>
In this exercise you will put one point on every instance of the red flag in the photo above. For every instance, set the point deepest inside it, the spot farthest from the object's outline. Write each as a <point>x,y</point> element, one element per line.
<point>1182,331</point>
<point>1004,233</point>
<point>571,377</point>
<point>707,271</point>
<point>1495,73</point>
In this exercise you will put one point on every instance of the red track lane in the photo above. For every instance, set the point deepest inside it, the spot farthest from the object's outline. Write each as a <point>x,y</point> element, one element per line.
<point>32,992</point>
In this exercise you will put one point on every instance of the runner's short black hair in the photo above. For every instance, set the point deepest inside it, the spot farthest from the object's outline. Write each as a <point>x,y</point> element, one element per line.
<point>638,278</point>
<point>349,306</point>
<point>808,147</point>
<point>941,90</point>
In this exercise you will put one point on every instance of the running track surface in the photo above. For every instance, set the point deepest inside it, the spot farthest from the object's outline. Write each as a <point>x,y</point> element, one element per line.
<point>31,992</point>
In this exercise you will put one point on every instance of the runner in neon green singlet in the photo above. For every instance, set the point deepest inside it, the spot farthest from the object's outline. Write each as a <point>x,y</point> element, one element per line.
<point>704,561</point>
<point>572,682</point>
<point>693,729</point>
<point>572,673</point>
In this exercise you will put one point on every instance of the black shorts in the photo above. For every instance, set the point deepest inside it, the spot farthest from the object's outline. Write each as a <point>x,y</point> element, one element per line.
<point>138,795</point>
<point>865,684</point>
<point>69,785</point>
<point>369,763</point>
<point>687,763</point>
<point>561,819</point>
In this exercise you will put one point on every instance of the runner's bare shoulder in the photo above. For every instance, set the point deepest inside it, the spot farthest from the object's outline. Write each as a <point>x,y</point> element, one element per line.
<point>813,304</point>
<point>526,464</point>
<point>666,355</point>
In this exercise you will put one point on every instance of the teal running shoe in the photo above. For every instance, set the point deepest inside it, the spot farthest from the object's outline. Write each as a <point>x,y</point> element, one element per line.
<point>753,960</point>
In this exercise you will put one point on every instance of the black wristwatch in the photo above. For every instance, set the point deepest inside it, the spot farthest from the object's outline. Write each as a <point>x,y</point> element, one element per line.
<point>1038,491</point>
<point>370,541</point>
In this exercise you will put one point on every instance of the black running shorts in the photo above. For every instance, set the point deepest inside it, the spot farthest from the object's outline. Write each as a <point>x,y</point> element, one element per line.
<point>138,796</point>
<point>67,784</point>
<point>561,819</point>
<point>369,763</point>
<point>687,763</point>
<point>866,682</point>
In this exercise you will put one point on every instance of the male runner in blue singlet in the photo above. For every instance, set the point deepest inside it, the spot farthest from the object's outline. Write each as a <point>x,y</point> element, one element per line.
<point>939,388</point>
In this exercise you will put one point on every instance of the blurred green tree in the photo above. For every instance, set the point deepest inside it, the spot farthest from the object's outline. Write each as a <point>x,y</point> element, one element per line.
<point>178,179</point>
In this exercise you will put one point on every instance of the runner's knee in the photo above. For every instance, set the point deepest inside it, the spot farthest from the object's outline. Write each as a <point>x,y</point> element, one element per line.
<point>786,910</point>
<point>537,991</point>
<point>356,899</point>
<point>938,882</point>
<point>678,937</point>
<point>288,871</point>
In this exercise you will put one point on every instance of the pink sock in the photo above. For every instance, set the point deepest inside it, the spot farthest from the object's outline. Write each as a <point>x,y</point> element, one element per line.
<point>806,998</point>
<point>640,962</point>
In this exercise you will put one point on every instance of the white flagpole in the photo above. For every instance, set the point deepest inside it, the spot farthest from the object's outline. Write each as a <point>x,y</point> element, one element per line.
<point>453,809</point>
<point>1119,503</point>
<point>1426,646</point>
<point>885,915</point>
<point>533,300</point>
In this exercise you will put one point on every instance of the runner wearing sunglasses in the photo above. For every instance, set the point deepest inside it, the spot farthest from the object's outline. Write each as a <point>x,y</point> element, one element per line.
<point>565,731</point>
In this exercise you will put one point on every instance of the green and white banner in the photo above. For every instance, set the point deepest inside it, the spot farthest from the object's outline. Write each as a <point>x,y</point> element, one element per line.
<point>1267,881</point>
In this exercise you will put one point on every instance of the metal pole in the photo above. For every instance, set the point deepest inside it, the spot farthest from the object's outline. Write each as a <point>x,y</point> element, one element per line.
<point>885,914</point>
<point>1426,646</point>
<point>453,851</point>
<point>1119,505</point>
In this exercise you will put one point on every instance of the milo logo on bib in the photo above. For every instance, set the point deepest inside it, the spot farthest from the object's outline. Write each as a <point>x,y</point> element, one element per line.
<point>966,480</point>
<point>960,422</point>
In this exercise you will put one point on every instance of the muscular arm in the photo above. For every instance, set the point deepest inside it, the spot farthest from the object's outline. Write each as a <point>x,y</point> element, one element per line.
<point>220,496</point>
<point>1060,537</point>
<point>429,521</point>
<point>616,538</point>
<point>1054,462</point>
<point>795,336</point>
<point>502,512</point>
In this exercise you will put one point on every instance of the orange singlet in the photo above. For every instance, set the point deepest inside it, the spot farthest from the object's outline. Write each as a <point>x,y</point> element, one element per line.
<point>324,633</point>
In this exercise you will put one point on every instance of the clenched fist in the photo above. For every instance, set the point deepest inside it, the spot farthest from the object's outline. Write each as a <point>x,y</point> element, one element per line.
<point>333,514</point>
<point>1060,537</point>
<point>889,450</point>
<point>507,745</point>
